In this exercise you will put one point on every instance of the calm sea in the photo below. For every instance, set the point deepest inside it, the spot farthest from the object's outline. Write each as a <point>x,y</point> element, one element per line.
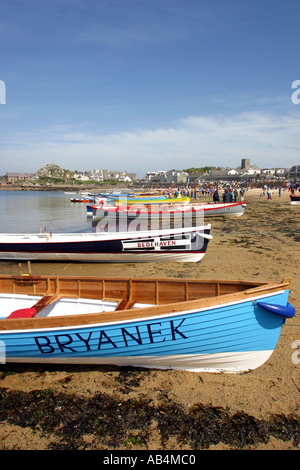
<point>35,211</point>
<point>30,211</point>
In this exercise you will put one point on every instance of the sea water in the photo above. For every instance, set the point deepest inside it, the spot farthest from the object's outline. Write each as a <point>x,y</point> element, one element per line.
<point>40,211</point>
<point>35,211</point>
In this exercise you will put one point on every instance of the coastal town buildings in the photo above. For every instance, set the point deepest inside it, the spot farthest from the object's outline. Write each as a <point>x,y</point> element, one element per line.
<point>245,173</point>
<point>18,177</point>
<point>169,177</point>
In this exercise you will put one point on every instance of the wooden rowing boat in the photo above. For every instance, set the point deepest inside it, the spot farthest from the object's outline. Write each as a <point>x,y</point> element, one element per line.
<point>189,324</point>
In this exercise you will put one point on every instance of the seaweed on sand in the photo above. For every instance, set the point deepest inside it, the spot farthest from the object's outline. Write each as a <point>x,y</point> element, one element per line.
<point>111,423</point>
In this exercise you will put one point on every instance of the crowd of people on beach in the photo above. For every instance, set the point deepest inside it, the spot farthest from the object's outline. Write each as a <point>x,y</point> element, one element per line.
<point>227,193</point>
<point>294,188</point>
<point>266,190</point>
<point>219,194</point>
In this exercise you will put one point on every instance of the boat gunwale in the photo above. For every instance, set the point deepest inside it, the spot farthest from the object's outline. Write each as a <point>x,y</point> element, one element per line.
<point>50,237</point>
<point>157,310</point>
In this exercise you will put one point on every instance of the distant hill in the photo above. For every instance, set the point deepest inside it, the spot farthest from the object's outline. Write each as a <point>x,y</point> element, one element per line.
<point>53,171</point>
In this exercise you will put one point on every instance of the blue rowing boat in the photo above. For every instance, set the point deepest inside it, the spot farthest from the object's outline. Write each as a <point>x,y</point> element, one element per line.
<point>187,324</point>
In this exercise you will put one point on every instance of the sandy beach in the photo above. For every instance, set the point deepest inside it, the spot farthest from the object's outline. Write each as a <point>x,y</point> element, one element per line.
<point>62,407</point>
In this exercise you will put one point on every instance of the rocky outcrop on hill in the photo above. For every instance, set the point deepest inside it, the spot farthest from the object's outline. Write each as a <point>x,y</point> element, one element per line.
<point>51,170</point>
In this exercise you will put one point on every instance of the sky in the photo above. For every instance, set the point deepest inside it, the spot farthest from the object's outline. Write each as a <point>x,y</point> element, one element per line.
<point>149,85</point>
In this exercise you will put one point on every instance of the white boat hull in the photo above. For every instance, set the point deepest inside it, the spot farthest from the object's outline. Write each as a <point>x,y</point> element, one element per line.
<point>183,244</point>
<point>230,363</point>
<point>106,257</point>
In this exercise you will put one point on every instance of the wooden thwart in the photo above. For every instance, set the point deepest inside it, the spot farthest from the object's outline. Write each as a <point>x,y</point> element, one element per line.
<point>46,300</point>
<point>122,304</point>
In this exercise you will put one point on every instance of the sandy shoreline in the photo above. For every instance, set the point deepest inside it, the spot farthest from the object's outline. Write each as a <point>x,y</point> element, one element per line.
<point>263,244</point>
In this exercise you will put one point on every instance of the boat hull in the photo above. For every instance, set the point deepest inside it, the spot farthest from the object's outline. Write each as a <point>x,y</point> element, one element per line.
<point>173,211</point>
<point>234,209</point>
<point>151,201</point>
<point>89,200</point>
<point>233,337</point>
<point>295,199</point>
<point>162,245</point>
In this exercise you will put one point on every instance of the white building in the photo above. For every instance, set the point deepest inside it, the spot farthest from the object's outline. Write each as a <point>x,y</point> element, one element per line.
<point>268,171</point>
<point>156,176</point>
<point>98,175</point>
<point>174,176</point>
<point>81,176</point>
<point>252,171</point>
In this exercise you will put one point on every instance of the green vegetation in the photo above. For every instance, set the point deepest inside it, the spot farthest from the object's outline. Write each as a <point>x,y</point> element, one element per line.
<point>204,169</point>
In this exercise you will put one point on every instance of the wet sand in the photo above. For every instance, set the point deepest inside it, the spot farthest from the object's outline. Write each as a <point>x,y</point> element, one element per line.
<point>263,245</point>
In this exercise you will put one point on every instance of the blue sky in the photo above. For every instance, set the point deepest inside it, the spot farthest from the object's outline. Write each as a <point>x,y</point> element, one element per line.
<point>145,85</point>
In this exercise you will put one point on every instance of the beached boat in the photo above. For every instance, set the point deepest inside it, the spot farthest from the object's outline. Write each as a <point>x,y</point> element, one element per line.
<point>86,199</point>
<point>95,200</point>
<point>181,244</point>
<point>295,199</point>
<point>147,201</point>
<point>230,209</point>
<point>114,195</point>
<point>188,324</point>
<point>149,193</point>
<point>119,194</point>
<point>139,197</point>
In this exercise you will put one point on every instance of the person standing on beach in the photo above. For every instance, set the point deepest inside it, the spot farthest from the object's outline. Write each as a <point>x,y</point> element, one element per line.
<point>227,196</point>
<point>216,198</point>
<point>235,194</point>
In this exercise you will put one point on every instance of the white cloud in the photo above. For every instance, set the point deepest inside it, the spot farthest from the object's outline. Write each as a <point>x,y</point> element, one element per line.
<point>268,140</point>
